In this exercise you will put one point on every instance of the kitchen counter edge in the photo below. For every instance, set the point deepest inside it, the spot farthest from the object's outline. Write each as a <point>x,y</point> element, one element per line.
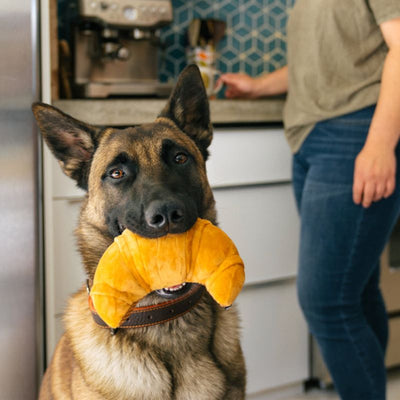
<point>126,112</point>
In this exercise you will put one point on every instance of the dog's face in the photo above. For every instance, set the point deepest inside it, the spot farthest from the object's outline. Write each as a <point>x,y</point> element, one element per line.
<point>150,179</point>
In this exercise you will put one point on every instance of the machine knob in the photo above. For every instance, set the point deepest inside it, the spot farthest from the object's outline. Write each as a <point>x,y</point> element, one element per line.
<point>115,51</point>
<point>123,54</point>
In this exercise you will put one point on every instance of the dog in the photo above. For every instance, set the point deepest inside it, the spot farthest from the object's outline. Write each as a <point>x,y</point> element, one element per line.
<point>152,180</point>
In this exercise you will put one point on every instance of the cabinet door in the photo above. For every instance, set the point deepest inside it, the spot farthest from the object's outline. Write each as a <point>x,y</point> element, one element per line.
<point>390,279</point>
<point>274,338</point>
<point>60,185</point>
<point>66,275</point>
<point>263,223</point>
<point>248,156</point>
<point>393,350</point>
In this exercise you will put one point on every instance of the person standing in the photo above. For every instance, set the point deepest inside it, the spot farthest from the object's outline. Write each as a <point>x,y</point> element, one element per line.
<point>342,122</point>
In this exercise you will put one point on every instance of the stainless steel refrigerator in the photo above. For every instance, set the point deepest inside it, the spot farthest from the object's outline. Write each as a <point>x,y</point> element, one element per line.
<point>20,277</point>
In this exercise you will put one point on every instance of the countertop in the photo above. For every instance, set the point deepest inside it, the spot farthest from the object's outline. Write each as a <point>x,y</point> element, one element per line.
<point>125,112</point>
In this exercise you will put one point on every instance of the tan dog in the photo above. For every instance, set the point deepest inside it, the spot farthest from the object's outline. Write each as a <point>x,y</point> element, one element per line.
<point>152,180</point>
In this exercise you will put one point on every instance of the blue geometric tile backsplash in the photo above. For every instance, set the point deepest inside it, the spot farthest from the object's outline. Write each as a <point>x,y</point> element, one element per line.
<point>255,39</point>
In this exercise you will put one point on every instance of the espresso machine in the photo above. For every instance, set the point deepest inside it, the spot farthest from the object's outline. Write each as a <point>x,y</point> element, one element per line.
<point>116,48</point>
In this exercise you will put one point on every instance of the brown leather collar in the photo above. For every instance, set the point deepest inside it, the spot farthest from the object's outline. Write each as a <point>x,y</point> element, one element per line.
<point>141,317</point>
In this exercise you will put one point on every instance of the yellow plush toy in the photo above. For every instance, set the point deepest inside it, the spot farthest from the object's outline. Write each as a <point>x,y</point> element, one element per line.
<point>134,266</point>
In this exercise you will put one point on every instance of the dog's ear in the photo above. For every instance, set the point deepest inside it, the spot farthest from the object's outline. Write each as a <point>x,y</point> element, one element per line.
<point>71,141</point>
<point>188,107</point>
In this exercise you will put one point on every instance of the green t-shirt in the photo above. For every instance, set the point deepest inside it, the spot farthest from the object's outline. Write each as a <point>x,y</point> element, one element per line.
<point>335,56</point>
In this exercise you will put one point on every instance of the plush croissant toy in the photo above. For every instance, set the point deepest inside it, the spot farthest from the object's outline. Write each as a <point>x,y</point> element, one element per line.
<point>134,266</point>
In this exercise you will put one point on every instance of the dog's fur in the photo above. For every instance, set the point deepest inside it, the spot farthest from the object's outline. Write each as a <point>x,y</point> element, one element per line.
<point>132,175</point>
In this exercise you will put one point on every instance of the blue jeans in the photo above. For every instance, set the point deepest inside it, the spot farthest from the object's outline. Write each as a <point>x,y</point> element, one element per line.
<point>340,247</point>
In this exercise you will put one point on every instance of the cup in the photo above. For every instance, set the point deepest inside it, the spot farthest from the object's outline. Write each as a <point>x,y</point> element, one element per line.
<point>204,58</point>
<point>210,77</point>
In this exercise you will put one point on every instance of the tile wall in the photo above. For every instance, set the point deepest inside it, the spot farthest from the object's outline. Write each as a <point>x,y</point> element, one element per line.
<point>255,40</point>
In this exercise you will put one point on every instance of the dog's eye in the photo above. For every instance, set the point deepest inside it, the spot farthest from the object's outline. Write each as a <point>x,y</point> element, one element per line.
<point>180,158</point>
<point>117,173</point>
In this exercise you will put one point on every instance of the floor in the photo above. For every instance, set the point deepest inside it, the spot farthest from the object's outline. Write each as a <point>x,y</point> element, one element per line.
<point>318,394</point>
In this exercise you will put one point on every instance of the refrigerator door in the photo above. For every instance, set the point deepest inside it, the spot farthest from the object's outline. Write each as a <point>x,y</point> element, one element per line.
<point>20,321</point>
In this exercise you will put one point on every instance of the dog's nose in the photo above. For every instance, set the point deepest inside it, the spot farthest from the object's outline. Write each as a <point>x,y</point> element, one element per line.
<point>163,215</point>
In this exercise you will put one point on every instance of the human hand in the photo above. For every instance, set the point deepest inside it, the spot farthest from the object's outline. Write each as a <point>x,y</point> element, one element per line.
<point>374,174</point>
<point>238,85</point>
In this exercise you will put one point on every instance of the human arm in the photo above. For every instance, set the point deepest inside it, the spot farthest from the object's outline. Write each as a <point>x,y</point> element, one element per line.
<point>244,86</point>
<point>375,166</point>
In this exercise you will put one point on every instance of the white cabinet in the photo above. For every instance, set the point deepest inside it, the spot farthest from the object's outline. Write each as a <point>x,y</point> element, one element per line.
<point>63,186</point>
<point>275,339</point>
<point>263,223</point>
<point>248,156</point>
<point>249,170</point>
<point>69,275</point>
